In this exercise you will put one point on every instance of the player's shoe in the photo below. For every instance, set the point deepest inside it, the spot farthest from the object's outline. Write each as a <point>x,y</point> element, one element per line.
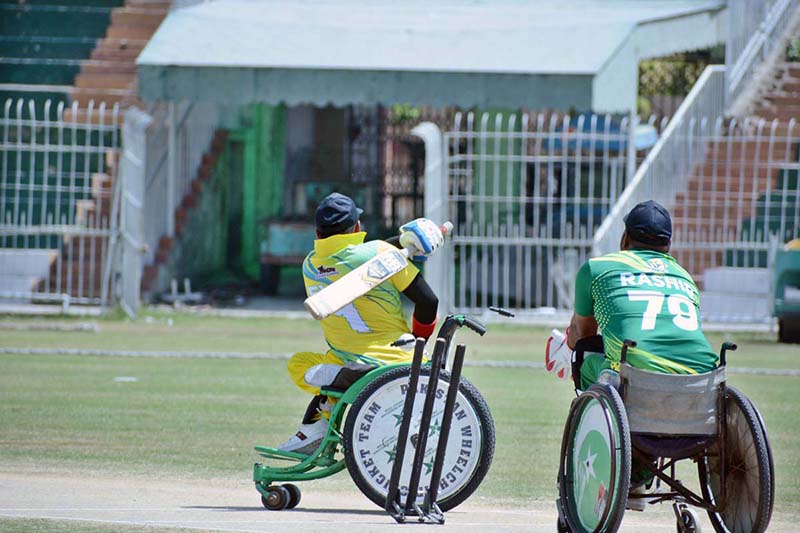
<point>337,376</point>
<point>307,439</point>
<point>321,375</point>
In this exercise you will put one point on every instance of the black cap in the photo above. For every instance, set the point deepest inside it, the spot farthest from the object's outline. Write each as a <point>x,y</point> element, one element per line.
<point>336,213</point>
<point>649,222</point>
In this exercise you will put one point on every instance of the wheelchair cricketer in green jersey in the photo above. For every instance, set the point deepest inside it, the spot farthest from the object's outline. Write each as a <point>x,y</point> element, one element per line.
<point>652,392</point>
<point>638,293</point>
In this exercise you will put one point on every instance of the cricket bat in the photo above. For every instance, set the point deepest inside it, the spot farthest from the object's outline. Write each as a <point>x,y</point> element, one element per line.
<point>361,280</point>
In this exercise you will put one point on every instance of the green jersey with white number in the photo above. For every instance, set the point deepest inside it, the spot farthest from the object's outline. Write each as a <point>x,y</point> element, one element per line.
<point>645,296</point>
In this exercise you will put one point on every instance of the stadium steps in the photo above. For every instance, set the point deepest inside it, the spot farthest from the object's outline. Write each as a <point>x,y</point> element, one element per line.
<point>152,271</point>
<point>743,166</point>
<point>109,76</point>
<point>110,73</point>
<point>84,51</point>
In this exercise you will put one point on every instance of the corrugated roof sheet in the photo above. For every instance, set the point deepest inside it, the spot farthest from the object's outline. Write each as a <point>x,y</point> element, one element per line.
<point>499,36</point>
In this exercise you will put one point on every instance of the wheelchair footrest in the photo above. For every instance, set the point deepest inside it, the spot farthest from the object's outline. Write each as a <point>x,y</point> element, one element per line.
<point>274,453</point>
<point>318,459</point>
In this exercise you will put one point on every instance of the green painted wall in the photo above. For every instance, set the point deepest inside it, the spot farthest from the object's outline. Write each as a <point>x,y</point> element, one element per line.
<point>263,133</point>
<point>494,175</point>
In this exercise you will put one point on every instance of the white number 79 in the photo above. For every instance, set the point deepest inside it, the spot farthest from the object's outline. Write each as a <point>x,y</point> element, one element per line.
<point>679,306</point>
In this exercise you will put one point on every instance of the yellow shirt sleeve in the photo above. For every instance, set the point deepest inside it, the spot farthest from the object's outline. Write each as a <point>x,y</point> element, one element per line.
<point>402,279</point>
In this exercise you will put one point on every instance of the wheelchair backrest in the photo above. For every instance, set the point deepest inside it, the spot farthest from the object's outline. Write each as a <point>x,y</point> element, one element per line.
<point>670,404</point>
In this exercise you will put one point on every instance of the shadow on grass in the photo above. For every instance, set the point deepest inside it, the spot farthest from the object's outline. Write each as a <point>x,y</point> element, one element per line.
<point>237,509</point>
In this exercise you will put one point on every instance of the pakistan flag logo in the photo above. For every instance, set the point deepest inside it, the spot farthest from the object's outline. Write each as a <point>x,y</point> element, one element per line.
<point>592,462</point>
<point>657,265</point>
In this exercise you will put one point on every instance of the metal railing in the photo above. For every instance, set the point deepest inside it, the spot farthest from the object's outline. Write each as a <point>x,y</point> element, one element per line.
<point>527,193</point>
<point>57,179</point>
<point>755,27</point>
<point>667,168</point>
<point>744,198</point>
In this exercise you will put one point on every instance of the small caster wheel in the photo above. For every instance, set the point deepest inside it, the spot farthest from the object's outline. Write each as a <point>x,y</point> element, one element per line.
<point>294,495</point>
<point>688,521</point>
<point>277,498</point>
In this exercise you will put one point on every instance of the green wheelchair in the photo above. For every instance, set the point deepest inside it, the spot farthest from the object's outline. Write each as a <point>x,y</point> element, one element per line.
<point>658,420</point>
<point>362,437</point>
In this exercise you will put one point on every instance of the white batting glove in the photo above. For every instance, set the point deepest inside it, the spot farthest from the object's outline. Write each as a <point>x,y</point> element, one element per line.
<point>423,235</point>
<point>557,355</point>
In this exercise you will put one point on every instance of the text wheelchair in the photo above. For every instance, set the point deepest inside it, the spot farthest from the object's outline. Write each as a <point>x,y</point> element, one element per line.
<point>659,420</point>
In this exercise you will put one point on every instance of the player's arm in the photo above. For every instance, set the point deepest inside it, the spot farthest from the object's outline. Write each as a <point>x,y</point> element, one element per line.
<point>560,346</point>
<point>579,328</point>
<point>426,304</point>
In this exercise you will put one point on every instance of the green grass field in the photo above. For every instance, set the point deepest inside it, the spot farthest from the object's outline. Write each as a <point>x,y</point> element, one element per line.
<point>199,418</point>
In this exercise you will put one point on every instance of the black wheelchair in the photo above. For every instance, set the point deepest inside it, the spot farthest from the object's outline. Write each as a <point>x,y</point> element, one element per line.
<point>655,421</point>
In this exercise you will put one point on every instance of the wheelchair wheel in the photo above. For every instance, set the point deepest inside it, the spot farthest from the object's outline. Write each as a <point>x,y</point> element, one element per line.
<point>595,466</point>
<point>747,469</point>
<point>370,438</point>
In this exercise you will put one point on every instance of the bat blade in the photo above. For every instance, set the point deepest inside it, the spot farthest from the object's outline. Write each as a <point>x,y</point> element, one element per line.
<point>356,283</point>
<point>360,281</point>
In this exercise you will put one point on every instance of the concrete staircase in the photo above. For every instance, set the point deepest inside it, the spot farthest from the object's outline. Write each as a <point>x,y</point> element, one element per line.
<point>109,75</point>
<point>154,273</point>
<point>78,267</point>
<point>727,198</point>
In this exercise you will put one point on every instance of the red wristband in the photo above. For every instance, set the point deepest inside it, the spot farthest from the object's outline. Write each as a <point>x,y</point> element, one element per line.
<point>422,330</point>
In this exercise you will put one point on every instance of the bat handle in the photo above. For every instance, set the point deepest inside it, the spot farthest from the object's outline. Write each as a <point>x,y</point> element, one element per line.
<point>446,228</point>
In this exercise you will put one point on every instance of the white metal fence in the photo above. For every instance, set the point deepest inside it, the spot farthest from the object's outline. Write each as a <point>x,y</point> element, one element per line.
<point>527,193</point>
<point>754,29</point>
<point>667,168</point>
<point>57,180</point>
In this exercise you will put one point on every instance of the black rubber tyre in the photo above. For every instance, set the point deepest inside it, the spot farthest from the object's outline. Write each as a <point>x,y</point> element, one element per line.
<point>368,450</point>
<point>277,499</point>
<point>688,522</point>
<point>609,505</point>
<point>749,486</point>
<point>294,495</point>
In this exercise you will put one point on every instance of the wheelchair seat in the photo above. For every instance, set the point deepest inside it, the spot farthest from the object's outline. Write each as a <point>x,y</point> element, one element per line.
<point>669,415</point>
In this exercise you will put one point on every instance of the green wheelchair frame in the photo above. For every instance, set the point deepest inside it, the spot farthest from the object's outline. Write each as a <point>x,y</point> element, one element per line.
<point>323,462</point>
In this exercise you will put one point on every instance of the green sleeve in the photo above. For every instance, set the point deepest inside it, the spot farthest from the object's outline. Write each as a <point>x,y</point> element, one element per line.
<point>584,304</point>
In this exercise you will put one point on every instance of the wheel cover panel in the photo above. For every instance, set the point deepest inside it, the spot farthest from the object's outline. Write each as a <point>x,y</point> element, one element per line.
<point>375,439</point>
<point>591,464</point>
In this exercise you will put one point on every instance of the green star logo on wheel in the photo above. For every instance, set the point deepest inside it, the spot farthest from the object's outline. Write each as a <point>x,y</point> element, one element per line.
<point>392,454</point>
<point>593,476</point>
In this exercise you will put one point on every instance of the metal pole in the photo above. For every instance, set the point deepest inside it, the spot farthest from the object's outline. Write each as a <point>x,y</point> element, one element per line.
<point>444,435</point>
<point>172,167</point>
<point>392,500</point>
<point>424,427</point>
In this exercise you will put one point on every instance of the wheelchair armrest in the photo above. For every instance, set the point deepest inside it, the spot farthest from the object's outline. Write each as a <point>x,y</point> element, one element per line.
<point>593,344</point>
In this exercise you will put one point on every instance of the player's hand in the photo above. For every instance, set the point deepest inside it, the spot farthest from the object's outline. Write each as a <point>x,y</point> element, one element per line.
<point>558,355</point>
<point>423,235</point>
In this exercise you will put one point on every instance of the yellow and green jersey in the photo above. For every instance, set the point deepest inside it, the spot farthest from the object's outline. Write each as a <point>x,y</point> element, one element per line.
<point>645,296</point>
<point>363,330</point>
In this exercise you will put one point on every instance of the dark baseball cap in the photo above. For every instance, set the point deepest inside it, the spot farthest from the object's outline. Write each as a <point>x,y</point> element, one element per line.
<point>337,212</point>
<point>649,222</point>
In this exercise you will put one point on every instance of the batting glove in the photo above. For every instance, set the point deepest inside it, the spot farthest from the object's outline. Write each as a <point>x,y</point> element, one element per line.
<point>558,355</point>
<point>423,235</point>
